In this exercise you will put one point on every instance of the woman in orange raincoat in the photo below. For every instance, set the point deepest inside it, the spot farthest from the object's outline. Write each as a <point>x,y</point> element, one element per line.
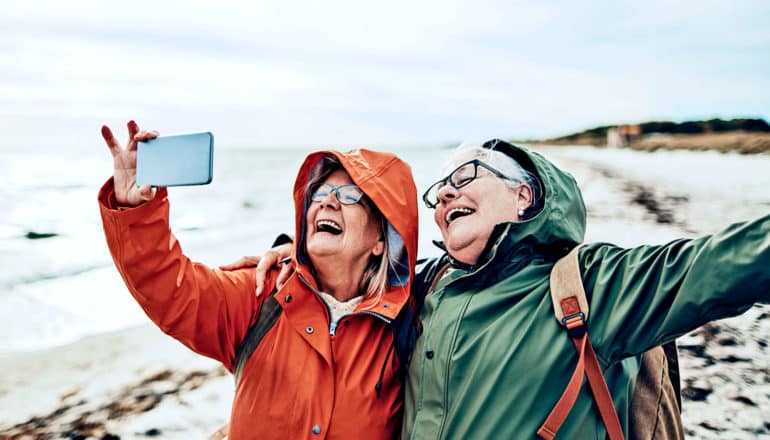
<point>325,369</point>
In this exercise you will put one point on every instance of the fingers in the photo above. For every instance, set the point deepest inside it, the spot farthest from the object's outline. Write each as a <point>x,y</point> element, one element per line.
<point>283,276</point>
<point>109,138</point>
<point>269,261</point>
<point>133,129</point>
<point>144,136</point>
<point>135,135</point>
<point>241,263</point>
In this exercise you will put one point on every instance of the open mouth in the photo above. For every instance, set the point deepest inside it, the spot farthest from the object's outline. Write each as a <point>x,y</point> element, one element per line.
<point>456,213</point>
<point>328,226</point>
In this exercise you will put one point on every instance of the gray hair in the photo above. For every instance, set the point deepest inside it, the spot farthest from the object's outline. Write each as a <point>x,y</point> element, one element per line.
<point>503,163</point>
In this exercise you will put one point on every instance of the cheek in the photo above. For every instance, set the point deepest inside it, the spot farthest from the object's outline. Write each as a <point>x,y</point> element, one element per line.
<point>373,233</point>
<point>366,229</point>
<point>437,215</point>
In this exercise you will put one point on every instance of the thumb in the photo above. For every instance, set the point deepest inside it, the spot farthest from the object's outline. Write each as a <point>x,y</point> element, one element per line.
<point>241,263</point>
<point>147,192</point>
<point>263,267</point>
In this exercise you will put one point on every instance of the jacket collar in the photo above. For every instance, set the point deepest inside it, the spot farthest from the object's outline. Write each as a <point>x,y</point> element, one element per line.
<point>505,245</point>
<point>500,242</point>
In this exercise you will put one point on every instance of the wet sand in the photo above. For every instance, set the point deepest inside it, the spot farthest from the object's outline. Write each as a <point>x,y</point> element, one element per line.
<point>136,383</point>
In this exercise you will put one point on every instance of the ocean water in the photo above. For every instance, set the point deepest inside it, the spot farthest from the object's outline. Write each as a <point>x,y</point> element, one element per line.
<point>58,289</point>
<point>55,290</point>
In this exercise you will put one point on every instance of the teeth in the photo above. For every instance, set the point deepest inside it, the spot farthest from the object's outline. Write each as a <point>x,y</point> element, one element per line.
<point>456,213</point>
<point>328,225</point>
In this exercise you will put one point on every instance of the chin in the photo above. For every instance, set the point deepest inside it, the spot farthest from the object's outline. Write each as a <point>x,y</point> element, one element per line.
<point>459,251</point>
<point>458,240</point>
<point>466,250</point>
<point>321,249</point>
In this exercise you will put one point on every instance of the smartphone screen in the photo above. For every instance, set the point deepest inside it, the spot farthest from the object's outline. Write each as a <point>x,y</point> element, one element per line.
<point>181,160</point>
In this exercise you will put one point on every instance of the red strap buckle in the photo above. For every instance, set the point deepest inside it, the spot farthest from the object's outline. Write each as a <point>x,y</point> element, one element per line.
<point>575,324</point>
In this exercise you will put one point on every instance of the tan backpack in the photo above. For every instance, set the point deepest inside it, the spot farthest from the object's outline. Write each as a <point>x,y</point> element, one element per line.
<point>656,404</point>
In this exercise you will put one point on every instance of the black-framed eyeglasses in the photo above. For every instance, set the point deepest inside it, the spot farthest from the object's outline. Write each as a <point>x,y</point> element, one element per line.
<point>348,194</point>
<point>460,177</point>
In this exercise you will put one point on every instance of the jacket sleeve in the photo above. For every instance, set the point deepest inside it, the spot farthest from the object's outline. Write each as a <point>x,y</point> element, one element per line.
<point>208,310</point>
<point>649,295</point>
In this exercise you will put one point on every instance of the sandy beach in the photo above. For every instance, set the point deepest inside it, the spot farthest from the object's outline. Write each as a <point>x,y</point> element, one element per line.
<point>134,383</point>
<point>139,383</point>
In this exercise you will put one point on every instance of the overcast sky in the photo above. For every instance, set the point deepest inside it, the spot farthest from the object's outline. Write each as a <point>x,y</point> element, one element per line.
<point>288,73</point>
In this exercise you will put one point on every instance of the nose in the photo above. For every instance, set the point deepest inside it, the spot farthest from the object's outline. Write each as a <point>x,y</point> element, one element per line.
<point>447,193</point>
<point>331,200</point>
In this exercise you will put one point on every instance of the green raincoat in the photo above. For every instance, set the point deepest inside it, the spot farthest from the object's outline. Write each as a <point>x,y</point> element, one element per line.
<point>492,360</point>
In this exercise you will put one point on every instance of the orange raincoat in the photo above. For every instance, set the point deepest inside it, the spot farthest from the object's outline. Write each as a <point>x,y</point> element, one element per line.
<point>300,382</point>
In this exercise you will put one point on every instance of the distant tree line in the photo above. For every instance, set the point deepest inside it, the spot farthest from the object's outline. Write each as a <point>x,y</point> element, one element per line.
<point>594,135</point>
<point>710,126</point>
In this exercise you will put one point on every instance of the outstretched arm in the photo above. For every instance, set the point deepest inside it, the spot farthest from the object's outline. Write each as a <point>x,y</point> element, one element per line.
<point>646,296</point>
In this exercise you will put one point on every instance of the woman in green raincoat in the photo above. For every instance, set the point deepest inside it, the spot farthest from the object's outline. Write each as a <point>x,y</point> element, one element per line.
<point>492,361</point>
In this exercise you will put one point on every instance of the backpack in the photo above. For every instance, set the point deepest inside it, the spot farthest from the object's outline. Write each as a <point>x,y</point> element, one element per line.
<point>656,401</point>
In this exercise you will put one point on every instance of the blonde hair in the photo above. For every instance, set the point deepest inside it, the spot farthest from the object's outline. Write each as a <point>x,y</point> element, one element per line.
<point>374,280</point>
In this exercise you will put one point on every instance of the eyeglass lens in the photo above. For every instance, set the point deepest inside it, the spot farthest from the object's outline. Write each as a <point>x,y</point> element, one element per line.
<point>460,177</point>
<point>346,194</point>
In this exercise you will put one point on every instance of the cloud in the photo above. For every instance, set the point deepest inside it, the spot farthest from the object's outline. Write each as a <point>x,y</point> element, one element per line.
<point>345,72</point>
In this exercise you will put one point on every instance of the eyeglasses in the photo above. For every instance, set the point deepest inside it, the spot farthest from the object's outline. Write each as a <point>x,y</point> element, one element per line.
<point>460,177</point>
<point>348,194</point>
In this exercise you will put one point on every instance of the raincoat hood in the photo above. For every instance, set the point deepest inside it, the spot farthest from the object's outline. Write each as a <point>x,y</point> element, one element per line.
<point>560,218</point>
<point>388,182</point>
<point>554,224</point>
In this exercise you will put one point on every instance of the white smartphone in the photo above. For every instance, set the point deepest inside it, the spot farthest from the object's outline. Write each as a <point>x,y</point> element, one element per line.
<point>181,160</point>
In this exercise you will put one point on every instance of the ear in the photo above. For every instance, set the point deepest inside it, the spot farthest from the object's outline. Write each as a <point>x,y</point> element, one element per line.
<point>525,196</point>
<point>378,248</point>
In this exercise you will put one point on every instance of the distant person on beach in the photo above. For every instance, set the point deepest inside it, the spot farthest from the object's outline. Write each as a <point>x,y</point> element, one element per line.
<point>325,369</point>
<point>492,362</point>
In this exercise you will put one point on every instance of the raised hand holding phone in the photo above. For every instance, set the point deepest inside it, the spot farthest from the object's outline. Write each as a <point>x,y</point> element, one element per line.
<point>127,192</point>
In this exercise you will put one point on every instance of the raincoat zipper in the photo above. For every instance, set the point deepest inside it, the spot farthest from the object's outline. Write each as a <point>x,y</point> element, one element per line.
<point>332,332</point>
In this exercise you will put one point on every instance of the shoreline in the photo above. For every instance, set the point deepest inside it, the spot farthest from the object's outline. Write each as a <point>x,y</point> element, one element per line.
<point>130,383</point>
<point>740,142</point>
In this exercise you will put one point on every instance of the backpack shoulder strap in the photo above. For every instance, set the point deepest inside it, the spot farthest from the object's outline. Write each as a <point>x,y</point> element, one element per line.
<point>571,310</point>
<point>406,324</point>
<point>566,283</point>
<point>268,315</point>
